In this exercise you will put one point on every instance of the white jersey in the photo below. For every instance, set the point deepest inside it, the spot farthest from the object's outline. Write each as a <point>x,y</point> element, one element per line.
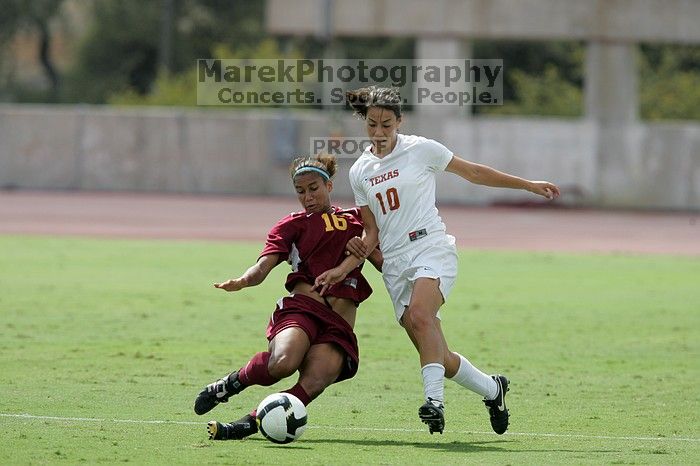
<point>400,190</point>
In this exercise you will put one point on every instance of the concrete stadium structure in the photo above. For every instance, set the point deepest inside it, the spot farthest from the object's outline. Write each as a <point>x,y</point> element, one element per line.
<point>607,158</point>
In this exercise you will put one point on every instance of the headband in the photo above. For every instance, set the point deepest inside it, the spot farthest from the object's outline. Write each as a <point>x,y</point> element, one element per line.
<point>320,171</point>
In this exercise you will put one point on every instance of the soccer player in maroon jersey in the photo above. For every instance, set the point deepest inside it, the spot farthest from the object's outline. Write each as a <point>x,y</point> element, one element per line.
<point>307,332</point>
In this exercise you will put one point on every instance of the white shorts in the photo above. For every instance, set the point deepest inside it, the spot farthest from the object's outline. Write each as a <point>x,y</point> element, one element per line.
<point>436,258</point>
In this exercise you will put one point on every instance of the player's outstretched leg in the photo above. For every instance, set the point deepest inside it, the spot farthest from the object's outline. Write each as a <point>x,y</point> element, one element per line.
<point>497,407</point>
<point>237,430</point>
<point>218,392</point>
<point>432,413</point>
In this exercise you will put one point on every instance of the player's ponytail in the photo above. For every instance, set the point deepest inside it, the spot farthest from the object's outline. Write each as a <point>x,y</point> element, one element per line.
<point>360,100</point>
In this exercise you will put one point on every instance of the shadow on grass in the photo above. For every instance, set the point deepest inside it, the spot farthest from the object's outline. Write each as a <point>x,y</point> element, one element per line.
<point>461,447</point>
<point>451,447</point>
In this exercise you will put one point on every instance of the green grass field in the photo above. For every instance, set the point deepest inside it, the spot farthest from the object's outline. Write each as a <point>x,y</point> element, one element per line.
<point>104,345</point>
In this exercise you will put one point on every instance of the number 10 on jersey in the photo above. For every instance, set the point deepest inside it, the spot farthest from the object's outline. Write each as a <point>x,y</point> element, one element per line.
<point>392,200</point>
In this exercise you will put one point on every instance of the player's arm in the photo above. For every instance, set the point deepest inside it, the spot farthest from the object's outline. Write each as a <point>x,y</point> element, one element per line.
<point>338,273</point>
<point>364,248</point>
<point>484,175</point>
<point>376,259</point>
<point>354,247</point>
<point>358,247</point>
<point>370,236</point>
<point>350,263</point>
<point>255,275</point>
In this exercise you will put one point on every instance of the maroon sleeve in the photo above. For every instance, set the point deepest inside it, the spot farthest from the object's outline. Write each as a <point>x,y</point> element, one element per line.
<point>355,211</point>
<point>280,238</point>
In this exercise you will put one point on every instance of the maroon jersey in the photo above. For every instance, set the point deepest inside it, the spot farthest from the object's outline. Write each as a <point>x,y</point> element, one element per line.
<point>314,243</point>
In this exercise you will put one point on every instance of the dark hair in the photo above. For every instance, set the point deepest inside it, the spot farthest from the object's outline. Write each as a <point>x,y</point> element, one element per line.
<point>326,163</point>
<point>385,97</point>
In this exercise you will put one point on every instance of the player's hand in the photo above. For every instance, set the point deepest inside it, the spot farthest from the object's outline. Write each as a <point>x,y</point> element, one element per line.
<point>328,279</point>
<point>234,284</point>
<point>544,188</point>
<point>357,248</point>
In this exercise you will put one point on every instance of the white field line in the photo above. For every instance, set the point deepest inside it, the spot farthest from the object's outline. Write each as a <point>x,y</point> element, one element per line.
<point>31,417</point>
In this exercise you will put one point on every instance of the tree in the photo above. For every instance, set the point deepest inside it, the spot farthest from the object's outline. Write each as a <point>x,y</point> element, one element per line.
<point>119,51</point>
<point>122,53</point>
<point>530,69</point>
<point>35,14</point>
<point>9,19</point>
<point>669,82</point>
<point>40,12</point>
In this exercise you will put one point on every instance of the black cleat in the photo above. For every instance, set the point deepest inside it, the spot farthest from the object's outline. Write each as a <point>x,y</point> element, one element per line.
<point>433,414</point>
<point>497,407</point>
<point>238,430</point>
<point>217,392</point>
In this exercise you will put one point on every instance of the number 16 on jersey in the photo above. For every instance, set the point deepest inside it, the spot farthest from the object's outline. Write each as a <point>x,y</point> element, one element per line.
<point>339,223</point>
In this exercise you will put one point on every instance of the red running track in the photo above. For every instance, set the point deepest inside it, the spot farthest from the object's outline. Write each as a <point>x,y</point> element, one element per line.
<point>222,218</point>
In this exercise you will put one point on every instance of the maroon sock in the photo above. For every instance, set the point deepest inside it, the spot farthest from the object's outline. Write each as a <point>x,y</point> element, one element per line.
<point>255,372</point>
<point>300,393</point>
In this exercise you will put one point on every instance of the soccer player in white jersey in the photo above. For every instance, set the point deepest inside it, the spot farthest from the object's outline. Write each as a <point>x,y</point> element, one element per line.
<point>394,185</point>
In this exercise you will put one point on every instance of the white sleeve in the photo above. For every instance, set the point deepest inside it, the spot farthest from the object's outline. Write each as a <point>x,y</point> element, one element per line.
<point>437,156</point>
<point>357,190</point>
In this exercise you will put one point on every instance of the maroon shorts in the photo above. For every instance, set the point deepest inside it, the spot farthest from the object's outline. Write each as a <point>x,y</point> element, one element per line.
<point>321,324</point>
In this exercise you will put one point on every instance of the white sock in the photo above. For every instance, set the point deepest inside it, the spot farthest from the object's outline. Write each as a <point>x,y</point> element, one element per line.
<point>433,381</point>
<point>472,378</point>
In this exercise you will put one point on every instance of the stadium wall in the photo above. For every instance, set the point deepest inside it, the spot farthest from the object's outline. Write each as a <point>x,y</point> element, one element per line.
<point>653,165</point>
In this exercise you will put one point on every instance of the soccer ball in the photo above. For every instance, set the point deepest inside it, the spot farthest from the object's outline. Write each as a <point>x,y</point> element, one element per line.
<point>281,417</point>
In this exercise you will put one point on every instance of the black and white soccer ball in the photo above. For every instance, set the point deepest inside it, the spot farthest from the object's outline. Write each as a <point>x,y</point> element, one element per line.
<point>281,417</point>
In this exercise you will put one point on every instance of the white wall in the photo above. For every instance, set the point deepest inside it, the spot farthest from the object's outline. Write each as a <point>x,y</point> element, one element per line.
<point>211,151</point>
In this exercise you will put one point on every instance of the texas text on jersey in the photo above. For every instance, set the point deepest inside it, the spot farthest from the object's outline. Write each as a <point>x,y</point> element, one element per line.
<point>399,188</point>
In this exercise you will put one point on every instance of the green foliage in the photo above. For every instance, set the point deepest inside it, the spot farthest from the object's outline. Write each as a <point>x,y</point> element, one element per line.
<point>36,10</point>
<point>601,350</point>
<point>120,51</point>
<point>9,19</point>
<point>670,82</point>
<point>181,89</point>
<point>239,23</point>
<point>540,78</point>
<point>545,94</point>
<point>22,13</point>
<point>547,78</point>
<point>168,90</point>
<point>33,16</point>
<point>120,60</point>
